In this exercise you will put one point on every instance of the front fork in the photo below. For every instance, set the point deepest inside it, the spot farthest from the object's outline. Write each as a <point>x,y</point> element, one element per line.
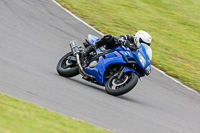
<point>125,69</point>
<point>121,72</point>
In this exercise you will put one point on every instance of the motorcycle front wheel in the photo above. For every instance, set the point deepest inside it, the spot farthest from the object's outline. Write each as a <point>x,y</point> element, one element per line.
<point>66,68</point>
<point>121,86</point>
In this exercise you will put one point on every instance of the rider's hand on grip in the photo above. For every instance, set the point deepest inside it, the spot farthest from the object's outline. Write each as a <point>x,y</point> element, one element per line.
<point>122,41</point>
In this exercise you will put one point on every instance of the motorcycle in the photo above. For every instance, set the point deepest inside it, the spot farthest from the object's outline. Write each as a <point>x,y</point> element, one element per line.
<point>118,69</point>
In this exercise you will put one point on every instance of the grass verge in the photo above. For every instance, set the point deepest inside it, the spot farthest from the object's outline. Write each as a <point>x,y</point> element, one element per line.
<point>174,26</point>
<point>17,116</point>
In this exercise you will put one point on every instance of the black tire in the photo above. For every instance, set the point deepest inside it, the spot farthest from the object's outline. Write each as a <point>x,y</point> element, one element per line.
<point>67,70</point>
<point>129,81</point>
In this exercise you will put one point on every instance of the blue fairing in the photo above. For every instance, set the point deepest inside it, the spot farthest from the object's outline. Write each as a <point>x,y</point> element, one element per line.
<point>92,39</point>
<point>143,52</point>
<point>115,56</point>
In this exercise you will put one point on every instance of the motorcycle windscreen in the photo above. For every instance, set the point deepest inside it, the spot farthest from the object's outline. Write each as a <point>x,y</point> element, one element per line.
<point>148,51</point>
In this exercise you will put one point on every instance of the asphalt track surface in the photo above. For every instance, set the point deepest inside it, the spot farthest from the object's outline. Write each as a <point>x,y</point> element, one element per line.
<point>34,35</point>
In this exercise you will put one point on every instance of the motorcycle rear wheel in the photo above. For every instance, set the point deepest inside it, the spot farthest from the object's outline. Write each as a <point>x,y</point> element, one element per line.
<point>117,87</point>
<point>66,69</point>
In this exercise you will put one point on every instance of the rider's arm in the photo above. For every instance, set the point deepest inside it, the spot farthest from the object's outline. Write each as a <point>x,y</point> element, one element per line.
<point>127,40</point>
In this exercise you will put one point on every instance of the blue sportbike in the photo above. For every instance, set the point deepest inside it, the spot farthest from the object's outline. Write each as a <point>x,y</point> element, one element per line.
<point>118,69</point>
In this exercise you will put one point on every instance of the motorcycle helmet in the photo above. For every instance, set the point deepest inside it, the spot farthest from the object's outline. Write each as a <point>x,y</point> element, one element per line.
<point>142,37</point>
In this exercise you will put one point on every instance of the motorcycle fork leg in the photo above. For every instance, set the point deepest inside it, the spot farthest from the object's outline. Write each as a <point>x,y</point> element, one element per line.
<point>121,72</point>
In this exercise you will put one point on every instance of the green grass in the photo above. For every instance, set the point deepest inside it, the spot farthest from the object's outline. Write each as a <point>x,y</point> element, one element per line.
<point>174,26</point>
<point>17,116</point>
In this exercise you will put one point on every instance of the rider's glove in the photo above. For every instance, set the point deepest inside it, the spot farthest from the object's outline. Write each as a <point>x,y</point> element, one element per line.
<point>126,43</point>
<point>122,41</point>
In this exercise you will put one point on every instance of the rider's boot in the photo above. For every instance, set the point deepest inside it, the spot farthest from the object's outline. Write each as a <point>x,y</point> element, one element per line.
<point>89,49</point>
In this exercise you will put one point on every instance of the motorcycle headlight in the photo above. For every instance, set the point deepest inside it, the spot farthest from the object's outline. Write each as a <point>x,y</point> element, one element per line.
<point>148,70</point>
<point>142,60</point>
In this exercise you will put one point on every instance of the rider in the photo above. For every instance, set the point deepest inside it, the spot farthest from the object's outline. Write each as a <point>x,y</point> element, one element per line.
<point>131,41</point>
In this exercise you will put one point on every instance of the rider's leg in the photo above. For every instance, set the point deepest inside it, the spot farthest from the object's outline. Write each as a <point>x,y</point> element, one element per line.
<point>105,40</point>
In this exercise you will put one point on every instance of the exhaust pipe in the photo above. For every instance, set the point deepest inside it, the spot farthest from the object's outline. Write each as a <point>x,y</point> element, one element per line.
<point>81,68</point>
<point>74,47</point>
<point>76,51</point>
